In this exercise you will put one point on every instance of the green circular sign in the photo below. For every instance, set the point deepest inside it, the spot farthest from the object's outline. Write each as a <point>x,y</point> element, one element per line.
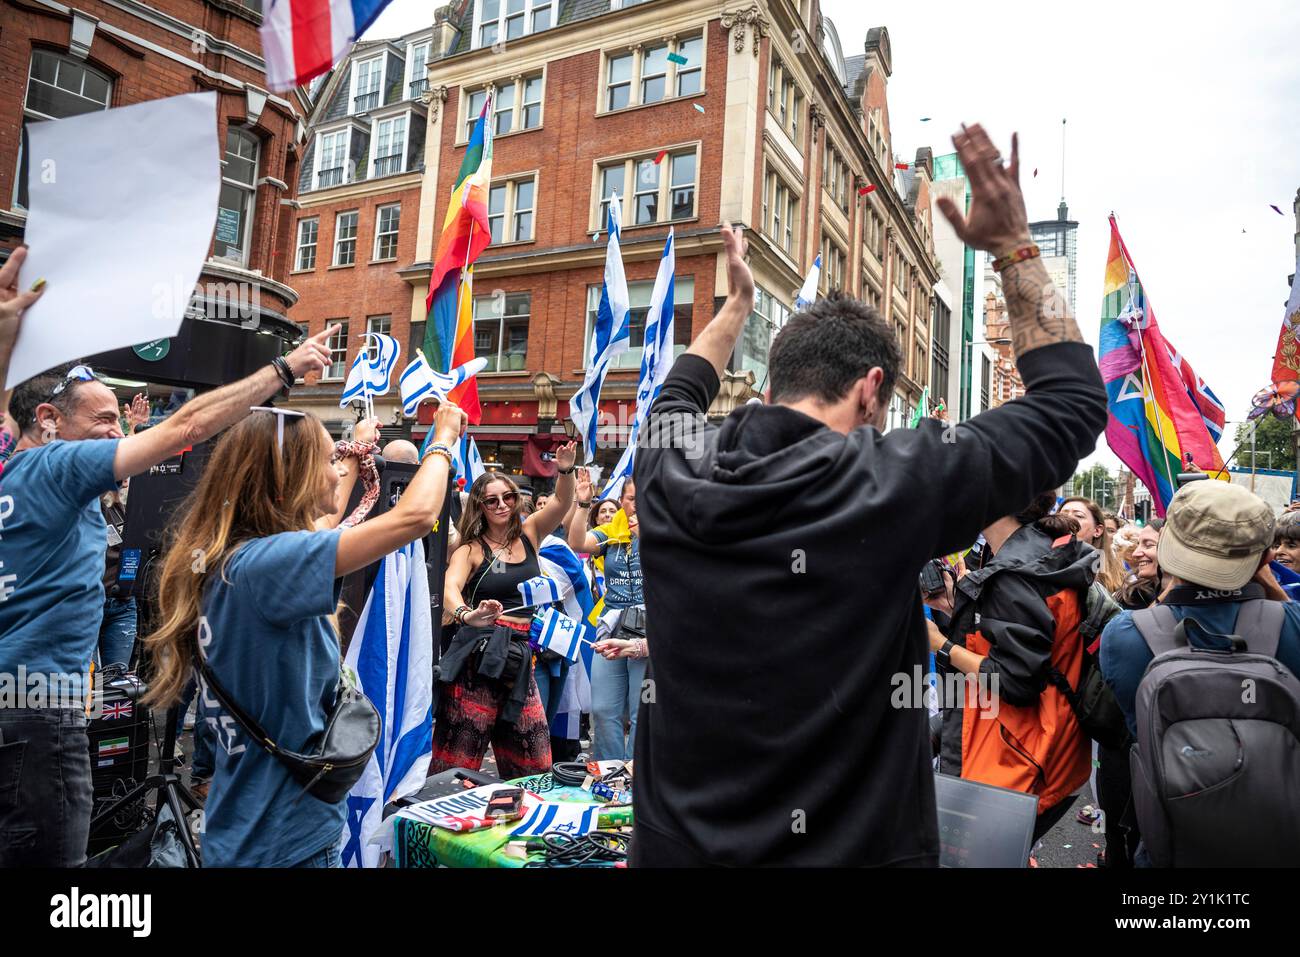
<point>153,351</point>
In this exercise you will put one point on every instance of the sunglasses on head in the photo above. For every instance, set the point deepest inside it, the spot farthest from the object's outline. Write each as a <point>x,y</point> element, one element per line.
<point>492,501</point>
<point>75,374</point>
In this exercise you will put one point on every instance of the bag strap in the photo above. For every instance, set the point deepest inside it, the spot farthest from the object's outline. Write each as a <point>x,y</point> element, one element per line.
<point>1259,624</point>
<point>1091,627</point>
<point>245,720</point>
<point>1157,626</point>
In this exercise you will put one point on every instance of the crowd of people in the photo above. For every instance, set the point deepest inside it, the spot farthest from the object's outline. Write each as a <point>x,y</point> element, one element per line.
<point>796,557</point>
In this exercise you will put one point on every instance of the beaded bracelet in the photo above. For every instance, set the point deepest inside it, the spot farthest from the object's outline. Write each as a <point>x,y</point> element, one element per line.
<point>1029,251</point>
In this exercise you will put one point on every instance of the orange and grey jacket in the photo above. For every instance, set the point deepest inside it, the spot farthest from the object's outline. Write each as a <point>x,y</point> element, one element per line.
<point>1021,611</point>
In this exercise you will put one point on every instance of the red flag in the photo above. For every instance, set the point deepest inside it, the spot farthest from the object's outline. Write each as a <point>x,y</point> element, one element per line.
<point>866,189</point>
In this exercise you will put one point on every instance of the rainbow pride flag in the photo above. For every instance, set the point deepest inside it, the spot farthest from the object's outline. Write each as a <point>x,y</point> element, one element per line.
<point>449,327</point>
<point>1155,421</point>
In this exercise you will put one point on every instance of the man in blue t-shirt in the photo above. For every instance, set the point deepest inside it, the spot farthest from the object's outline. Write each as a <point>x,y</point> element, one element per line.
<point>52,547</point>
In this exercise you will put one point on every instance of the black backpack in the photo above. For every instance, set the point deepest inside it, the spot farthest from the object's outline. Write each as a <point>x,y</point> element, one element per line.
<point>1094,703</point>
<point>1216,767</point>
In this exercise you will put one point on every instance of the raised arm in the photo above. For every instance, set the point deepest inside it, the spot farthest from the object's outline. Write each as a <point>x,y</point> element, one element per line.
<point>366,431</point>
<point>992,465</point>
<point>542,523</point>
<point>416,511</point>
<point>581,540</point>
<point>1038,312</point>
<point>206,415</point>
<point>717,341</point>
<point>12,305</point>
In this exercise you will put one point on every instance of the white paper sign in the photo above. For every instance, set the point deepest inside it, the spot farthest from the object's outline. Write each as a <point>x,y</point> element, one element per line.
<point>122,206</point>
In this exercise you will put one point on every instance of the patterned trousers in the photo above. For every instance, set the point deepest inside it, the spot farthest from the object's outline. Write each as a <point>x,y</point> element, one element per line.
<point>467,720</point>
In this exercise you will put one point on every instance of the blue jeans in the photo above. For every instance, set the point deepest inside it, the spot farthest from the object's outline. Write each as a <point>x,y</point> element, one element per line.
<point>202,761</point>
<point>327,857</point>
<point>550,687</point>
<point>117,633</point>
<point>45,788</point>
<point>615,688</point>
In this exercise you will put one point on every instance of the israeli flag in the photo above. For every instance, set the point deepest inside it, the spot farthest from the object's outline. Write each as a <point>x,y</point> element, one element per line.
<point>468,462</point>
<point>555,631</point>
<point>558,561</point>
<point>808,294</point>
<point>610,336</point>
<point>371,374</point>
<point>656,359</point>
<point>539,591</point>
<point>419,381</point>
<point>392,655</point>
<point>559,817</point>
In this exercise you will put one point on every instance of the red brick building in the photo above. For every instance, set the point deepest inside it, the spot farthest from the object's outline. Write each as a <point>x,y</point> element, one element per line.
<point>57,62</point>
<point>693,116</point>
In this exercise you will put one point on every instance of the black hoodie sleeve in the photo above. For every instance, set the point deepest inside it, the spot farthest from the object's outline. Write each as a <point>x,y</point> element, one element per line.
<point>994,464</point>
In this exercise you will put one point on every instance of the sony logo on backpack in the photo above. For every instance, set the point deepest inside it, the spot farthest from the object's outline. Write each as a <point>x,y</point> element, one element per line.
<point>1212,595</point>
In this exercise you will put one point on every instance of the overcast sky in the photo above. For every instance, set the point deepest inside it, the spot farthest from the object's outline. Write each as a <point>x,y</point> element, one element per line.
<point>1181,119</point>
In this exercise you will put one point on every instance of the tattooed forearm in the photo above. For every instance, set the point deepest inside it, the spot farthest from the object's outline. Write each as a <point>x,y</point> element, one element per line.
<point>1037,311</point>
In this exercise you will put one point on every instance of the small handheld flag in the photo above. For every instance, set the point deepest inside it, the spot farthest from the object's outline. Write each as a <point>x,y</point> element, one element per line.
<point>419,381</point>
<point>539,591</point>
<point>371,375</point>
<point>555,631</point>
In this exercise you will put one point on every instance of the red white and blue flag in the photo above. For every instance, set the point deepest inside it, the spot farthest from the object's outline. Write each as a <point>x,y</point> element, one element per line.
<point>301,39</point>
<point>120,709</point>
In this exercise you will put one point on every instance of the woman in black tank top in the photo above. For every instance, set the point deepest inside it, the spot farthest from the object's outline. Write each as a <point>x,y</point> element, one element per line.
<point>489,693</point>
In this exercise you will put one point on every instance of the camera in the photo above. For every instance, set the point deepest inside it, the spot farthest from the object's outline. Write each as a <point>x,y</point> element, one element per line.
<point>931,580</point>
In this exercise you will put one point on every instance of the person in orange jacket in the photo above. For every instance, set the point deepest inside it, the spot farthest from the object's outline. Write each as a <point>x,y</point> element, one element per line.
<point>1015,624</point>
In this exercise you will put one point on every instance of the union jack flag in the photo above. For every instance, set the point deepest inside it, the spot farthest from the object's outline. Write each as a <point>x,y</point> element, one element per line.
<point>121,709</point>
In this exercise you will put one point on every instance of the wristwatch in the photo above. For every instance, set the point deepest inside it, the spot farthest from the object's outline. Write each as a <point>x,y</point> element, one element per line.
<point>584,505</point>
<point>944,654</point>
<point>568,471</point>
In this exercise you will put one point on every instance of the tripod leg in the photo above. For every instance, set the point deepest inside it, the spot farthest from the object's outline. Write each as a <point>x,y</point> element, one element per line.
<point>187,841</point>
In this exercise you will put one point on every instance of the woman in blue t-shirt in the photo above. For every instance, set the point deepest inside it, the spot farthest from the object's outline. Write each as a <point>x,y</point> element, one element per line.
<point>618,673</point>
<point>249,574</point>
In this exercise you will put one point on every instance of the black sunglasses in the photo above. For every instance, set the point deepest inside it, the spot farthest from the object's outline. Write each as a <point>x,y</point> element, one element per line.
<point>492,501</point>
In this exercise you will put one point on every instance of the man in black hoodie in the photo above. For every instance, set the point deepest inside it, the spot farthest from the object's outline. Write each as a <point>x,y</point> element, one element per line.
<point>781,549</point>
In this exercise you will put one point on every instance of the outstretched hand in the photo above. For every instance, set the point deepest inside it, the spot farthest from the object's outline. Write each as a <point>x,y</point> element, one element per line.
<point>13,302</point>
<point>996,222</point>
<point>312,355</point>
<point>740,280</point>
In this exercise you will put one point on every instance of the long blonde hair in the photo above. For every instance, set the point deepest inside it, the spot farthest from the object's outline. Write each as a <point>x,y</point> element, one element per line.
<point>250,489</point>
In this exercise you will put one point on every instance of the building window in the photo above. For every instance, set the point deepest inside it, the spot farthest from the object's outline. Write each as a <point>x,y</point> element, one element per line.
<point>654,73</point>
<point>367,75</point>
<point>767,319</point>
<point>380,325</point>
<point>308,230</point>
<point>345,239</point>
<point>505,20</point>
<point>238,197</point>
<point>390,145</point>
<point>638,294</point>
<point>661,192</point>
<point>510,210</point>
<point>834,261</point>
<point>986,373</point>
<point>835,177</point>
<point>331,159</point>
<point>387,220</point>
<point>516,106</point>
<point>59,87</point>
<point>419,82</point>
<point>338,347</point>
<point>784,99</point>
<point>501,330</point>
<point>780,212</point>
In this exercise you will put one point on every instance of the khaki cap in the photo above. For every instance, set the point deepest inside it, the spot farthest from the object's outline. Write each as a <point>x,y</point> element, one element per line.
<point>1215,535</point>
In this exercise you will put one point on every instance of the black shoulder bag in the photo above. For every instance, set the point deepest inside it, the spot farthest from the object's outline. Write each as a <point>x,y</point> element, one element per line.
<point>336,758</point>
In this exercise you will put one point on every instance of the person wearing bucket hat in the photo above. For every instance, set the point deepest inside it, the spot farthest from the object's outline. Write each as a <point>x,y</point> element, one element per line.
<point>1214,552</point>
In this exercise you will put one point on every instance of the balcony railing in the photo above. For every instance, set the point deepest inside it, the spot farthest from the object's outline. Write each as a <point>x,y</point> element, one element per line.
<point>417,87</point>
<point>329,177</point>
<point>366,101</point>
<point>387,165</point>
